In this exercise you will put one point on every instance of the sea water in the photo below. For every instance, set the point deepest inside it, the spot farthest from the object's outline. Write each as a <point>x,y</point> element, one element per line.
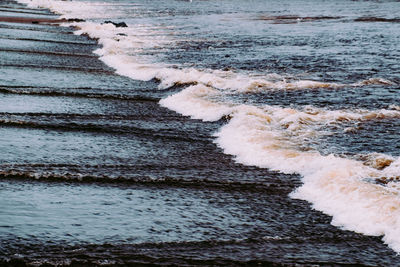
<point>305,89</point>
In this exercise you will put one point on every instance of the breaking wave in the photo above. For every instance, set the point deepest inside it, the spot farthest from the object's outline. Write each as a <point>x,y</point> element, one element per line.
<point>270,137</point>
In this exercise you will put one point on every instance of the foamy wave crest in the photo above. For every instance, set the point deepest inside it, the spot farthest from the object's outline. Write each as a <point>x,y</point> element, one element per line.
<point>122,49</point>
<point>141,68</point>
<point>136,66</point>
<point>376,81</point>
<point>194,102</point>
<point>337,186</point>
<point>270,137</point>
<point>202,97</point>
<point>124,53</point>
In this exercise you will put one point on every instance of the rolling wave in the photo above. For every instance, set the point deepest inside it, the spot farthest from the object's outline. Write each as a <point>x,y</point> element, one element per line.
<point>93,174</point>
<point>73,92</point>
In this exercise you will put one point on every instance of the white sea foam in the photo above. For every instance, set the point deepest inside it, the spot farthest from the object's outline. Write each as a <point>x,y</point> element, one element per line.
<point>193,102</point>
<point>269,137</point>
<point>265,136</point>
<point>122,49</point>
<point>337,186</point>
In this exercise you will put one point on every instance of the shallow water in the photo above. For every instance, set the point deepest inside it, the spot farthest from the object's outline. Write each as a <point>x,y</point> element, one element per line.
<point>234,132</point>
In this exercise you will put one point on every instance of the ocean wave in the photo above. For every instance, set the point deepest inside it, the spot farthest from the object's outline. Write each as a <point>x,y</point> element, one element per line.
<point>226,80</point>
<point>124,54</point>
<point>197,101</point>
<point>348,189</point>
<point>94,174</point>
<point>335,185</point>
<point>73,92</point>
<point>270,137</point>
<point>377,19</point>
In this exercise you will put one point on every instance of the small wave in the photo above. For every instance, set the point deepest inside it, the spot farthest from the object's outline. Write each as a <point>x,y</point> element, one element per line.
<point>97,125</point>
<point>49,53</point>
<point>291,19</point>
<point>60,126</point>
<point>49,41</point>
<point>377,19</point>
<point>394,107</point>
<point>197,101</point>
<point>65,125</point>
<point>220,79</point>
<point>375,81</point>
<point>24,11</point>
<point>68,173</point>
<point>58,67</point>
<point>193,102</point>
<point>71,93</point>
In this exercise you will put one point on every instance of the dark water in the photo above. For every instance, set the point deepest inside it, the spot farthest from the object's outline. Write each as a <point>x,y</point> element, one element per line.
<point>99,168</point>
